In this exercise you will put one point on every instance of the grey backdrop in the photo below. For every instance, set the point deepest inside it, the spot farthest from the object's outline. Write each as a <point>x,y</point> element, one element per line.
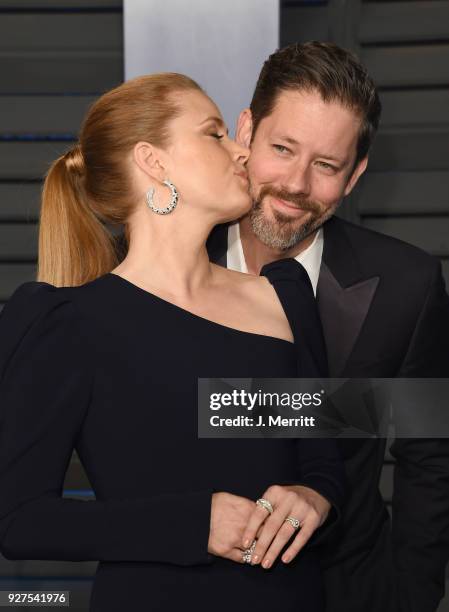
<point>219,44</point>
<point>56,56</point>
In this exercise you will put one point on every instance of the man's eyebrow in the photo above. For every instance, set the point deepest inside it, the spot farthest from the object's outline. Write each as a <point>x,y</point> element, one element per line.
<point>294,142</point>
<point>288,139</point>
<point>217,120</point>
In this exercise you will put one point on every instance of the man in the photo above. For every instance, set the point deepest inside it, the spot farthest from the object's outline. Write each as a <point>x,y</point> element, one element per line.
<point>383,306</point>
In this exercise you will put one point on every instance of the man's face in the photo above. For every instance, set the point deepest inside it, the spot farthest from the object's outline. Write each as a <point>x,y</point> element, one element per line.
<point>301,165</point>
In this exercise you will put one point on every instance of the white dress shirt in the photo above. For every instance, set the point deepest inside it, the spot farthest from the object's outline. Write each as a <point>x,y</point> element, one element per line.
<point>310,258</point>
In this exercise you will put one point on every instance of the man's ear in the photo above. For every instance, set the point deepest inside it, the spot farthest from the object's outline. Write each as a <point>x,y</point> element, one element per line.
<point>150,160</point>
<point>356,174</point>
<point>244,128</point>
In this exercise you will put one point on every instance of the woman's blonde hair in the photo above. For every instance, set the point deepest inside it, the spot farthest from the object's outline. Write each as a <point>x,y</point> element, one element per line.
<point>90,186</point>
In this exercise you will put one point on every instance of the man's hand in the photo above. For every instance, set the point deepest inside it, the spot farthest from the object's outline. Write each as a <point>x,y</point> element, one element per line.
<point>229,517</point>
<point>273,532</point>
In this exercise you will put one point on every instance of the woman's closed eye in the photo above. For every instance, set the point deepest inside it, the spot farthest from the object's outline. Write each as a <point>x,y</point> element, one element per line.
<point>217,136</point>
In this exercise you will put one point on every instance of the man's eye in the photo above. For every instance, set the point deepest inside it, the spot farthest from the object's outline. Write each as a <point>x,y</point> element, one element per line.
<point>281,148</point>
<point>217,136</point>
<point>326,166</point>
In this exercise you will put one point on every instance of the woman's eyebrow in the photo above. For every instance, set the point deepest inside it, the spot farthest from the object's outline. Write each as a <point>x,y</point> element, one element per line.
<point>218,121</point>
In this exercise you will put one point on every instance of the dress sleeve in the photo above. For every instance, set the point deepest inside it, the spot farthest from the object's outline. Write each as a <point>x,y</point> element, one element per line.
<point>46,377</point>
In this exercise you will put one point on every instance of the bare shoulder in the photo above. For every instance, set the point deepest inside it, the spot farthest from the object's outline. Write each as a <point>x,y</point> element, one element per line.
<point>259,297</point>
<point>256,287</point>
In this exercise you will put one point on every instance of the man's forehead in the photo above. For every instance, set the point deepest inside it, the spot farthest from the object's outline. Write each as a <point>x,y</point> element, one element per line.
<point>298,101</point>
<point>299,115</point>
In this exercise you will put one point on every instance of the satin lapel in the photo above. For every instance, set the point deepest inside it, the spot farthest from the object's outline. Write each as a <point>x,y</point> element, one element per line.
<point>344,296</point>
<point>343,311</point>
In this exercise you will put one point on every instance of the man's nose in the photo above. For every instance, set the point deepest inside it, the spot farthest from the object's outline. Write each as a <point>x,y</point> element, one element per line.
<point>298,180</point>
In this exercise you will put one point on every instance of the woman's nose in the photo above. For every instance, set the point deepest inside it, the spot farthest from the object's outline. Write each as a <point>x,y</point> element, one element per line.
<point>241,153</point>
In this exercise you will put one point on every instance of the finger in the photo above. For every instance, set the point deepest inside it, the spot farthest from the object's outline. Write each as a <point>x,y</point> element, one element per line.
<point>236,554</point>
<point>257,518</point>
<point>269,531</point>
<point>273,494</point>
<point>285,533</point>
<point>304,535</point>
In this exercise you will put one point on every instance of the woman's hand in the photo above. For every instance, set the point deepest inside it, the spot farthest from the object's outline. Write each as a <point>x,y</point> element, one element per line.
<point>229,517</point>
<point>273,532</point>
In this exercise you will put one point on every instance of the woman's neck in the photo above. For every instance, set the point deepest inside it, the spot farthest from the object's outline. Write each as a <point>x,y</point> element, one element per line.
<point>168,255</point>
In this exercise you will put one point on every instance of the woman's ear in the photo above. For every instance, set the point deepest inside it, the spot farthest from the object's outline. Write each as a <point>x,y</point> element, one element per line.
<point>150,160</point>
<point>244,128</point>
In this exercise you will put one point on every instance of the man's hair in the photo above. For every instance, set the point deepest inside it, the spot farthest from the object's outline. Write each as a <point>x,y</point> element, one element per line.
<point>324,67</point>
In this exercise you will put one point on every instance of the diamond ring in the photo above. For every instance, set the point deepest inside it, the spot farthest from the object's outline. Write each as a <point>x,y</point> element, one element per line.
<point>293,522</point>
<point>248,553</point>
<point>264,503</point>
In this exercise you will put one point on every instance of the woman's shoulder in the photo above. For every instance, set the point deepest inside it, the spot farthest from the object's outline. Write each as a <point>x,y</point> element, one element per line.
<point>34,298</point>
<point>37,314</point>
<point>247,286</point>
<point>259,295</point>
<point>273,273</point>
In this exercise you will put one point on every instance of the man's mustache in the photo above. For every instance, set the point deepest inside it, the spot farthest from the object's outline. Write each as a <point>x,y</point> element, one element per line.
<point>297,199</point>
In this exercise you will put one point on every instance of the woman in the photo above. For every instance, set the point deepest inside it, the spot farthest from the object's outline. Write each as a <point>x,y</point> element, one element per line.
<point>104,357</point>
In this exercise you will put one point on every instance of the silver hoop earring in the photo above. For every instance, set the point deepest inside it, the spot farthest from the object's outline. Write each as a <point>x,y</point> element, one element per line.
<point>171,205</point>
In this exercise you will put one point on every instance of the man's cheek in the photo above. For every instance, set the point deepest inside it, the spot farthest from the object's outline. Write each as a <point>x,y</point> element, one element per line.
<point>329,193</point>
<point>266,172</point>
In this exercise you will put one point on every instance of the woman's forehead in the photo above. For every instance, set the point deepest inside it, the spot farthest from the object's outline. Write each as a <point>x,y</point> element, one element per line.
<point>198,106</point>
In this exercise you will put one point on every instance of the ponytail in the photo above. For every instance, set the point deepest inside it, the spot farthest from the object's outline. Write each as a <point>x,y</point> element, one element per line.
<point>74,245</point>
<point>91,186</point>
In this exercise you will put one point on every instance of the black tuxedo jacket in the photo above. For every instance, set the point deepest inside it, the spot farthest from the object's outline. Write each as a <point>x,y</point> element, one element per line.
<point>385,313</point>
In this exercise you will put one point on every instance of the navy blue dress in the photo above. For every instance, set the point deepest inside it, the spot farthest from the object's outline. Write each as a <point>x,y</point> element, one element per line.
<point>111,370</point>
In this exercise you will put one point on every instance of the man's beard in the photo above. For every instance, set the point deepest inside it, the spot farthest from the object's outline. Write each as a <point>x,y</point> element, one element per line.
<point>284,233</point>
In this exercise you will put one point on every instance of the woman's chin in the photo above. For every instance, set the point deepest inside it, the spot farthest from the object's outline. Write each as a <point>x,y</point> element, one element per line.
<point>236,212</point>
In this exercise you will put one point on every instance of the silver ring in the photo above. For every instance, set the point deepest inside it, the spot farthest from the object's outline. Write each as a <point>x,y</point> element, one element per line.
<point>293,522</point>
<point>264,503</point>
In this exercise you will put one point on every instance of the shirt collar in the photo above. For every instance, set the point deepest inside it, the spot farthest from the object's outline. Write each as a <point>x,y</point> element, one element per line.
<point>310,258</point>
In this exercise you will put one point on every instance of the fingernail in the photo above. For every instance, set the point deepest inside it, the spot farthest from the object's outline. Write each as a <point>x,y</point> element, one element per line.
<point>246,543</point>
<point>266,563</point>
<point>255,559</point>
<point>285,558</point>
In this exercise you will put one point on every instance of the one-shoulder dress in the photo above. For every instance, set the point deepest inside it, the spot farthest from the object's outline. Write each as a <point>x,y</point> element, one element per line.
<point>111,370</point>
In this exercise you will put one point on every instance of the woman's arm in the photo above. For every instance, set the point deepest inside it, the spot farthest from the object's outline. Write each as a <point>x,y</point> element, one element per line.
<point>45,383</point>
